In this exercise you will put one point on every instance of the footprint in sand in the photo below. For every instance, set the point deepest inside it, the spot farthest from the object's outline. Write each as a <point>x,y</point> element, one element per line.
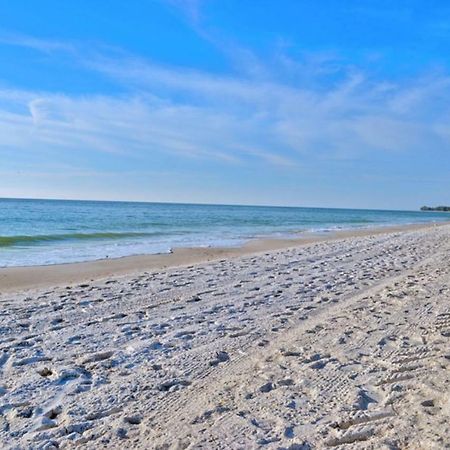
<point>221,357</point>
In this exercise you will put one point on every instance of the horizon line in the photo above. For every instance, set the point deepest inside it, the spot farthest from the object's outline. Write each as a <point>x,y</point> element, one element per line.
<point>207,204</point>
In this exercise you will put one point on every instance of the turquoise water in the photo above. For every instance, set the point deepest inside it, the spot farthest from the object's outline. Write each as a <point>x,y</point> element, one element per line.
<point>57,231</point>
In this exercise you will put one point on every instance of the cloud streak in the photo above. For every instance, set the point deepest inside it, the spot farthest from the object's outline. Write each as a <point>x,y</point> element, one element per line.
<point>233,120</point>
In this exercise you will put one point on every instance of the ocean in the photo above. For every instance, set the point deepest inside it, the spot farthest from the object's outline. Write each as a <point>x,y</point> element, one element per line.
<point>40,232</point>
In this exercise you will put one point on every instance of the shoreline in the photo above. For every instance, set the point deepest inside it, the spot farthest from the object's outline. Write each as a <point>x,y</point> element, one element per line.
<point>22,278</point>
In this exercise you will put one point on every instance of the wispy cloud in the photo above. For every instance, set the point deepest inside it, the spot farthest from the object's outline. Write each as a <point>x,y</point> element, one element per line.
<point>230,119</point>
<point>190,8</point>
<point>42,45</point>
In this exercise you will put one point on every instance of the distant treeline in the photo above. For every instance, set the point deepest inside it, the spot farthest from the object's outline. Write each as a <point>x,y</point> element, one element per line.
<point>435,208</point>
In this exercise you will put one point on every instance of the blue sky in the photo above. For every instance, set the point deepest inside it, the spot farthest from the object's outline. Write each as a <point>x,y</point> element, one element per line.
<point>308,103</point>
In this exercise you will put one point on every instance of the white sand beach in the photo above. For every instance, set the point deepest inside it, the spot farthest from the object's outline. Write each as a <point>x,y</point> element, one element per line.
<point>339,344</point>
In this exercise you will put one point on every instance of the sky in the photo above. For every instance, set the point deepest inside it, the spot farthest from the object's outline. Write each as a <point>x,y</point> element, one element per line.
<point>325,103</point>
